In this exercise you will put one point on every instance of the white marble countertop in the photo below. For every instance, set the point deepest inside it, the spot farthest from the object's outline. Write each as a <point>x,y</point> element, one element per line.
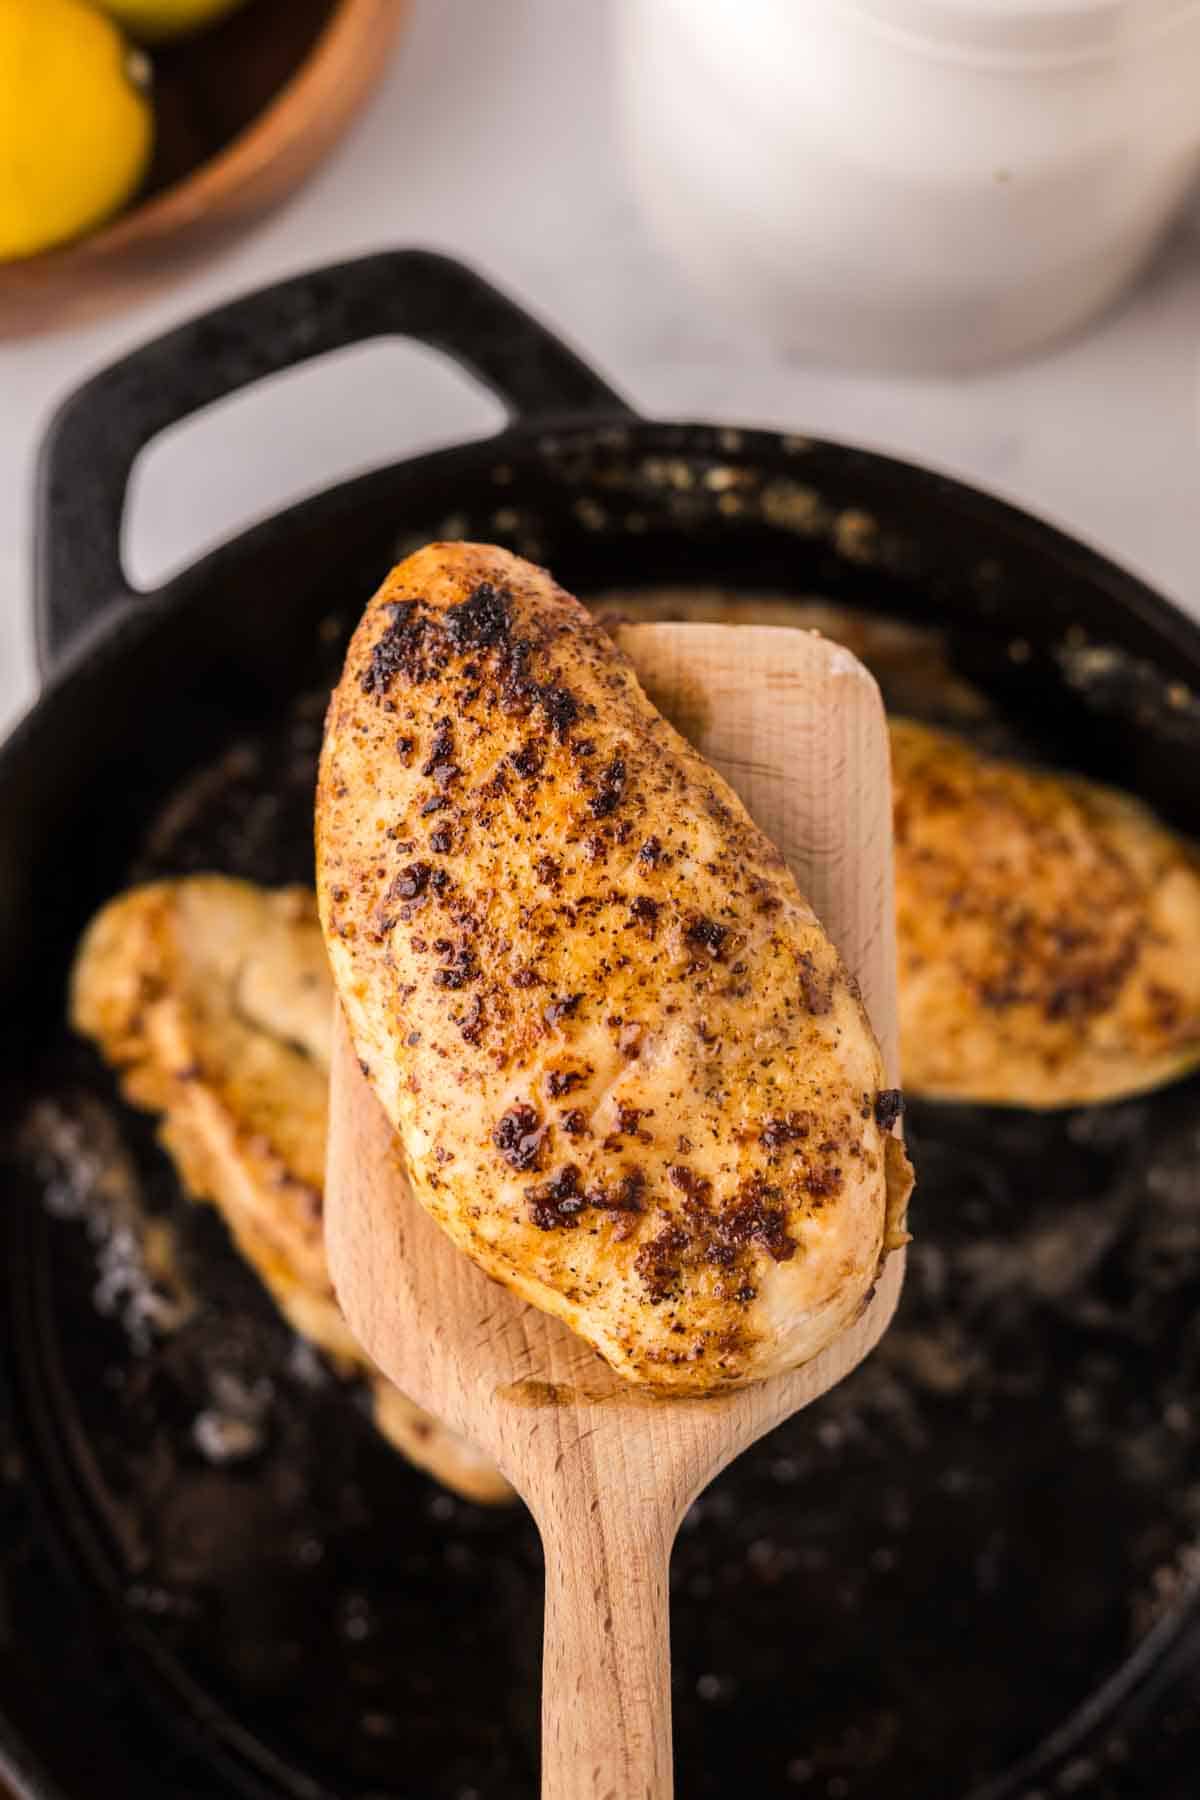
<point>494,137</point>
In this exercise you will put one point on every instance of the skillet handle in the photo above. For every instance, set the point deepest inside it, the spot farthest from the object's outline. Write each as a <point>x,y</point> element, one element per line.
<point>92,441</point>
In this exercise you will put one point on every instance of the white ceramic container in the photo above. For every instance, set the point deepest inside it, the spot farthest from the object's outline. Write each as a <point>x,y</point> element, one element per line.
<point>912,183</point>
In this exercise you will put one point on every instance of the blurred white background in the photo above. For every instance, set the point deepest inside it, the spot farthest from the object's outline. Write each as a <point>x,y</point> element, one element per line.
<point>494,136</point>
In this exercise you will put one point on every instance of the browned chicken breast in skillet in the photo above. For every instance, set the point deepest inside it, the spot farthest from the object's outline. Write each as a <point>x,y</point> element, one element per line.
<point>1049,927</point>
<point>1049,931</point>
<point>213,999</point>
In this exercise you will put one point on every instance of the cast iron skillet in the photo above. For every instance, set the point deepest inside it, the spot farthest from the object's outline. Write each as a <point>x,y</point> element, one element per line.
<point>968,1573</point>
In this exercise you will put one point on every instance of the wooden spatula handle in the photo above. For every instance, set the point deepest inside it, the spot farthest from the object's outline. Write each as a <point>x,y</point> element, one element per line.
<point>606,1674</point>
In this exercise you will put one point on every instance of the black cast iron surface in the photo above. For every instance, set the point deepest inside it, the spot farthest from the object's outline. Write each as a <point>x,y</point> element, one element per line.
<point>969,1570</point>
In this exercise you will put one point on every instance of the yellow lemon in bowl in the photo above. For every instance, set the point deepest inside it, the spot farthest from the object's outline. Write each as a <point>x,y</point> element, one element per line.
<point>156,21</point>
<point>76,126</point>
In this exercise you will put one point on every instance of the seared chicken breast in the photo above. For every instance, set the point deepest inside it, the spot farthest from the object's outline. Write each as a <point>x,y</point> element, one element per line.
<point>1049,928</point>
<point>629,1072</point>
<point>213,998</point>
<point>1049,931</point>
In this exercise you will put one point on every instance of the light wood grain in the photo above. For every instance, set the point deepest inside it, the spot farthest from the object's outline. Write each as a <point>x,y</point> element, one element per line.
<point>797,727</point>
<point>153,240</point>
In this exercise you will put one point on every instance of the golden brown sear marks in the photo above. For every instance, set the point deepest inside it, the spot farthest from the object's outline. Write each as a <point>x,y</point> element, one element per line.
<point>1049,931</point>
<point>586,989</point>
<point>214,1000</point>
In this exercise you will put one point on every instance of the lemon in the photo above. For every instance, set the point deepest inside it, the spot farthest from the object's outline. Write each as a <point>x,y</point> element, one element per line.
<point>75,124</point>
<point>154,21</point>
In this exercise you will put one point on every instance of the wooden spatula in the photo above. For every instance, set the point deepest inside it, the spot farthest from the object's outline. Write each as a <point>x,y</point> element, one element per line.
<point>796,725</point>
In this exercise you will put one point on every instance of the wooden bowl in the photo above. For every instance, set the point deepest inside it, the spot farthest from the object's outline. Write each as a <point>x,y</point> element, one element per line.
<point>243,111</point>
